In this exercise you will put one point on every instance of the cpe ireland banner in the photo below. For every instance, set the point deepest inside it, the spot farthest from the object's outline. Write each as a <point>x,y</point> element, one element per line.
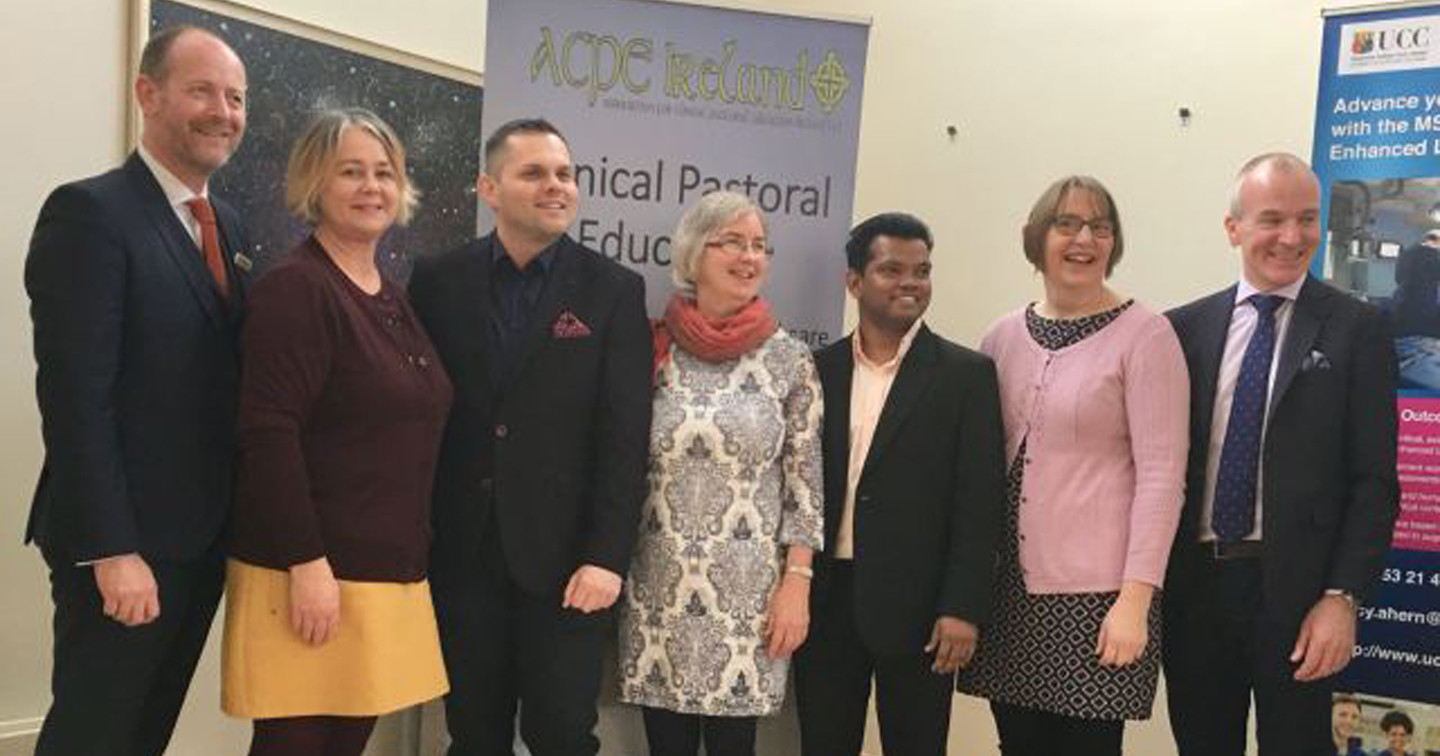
<point>663,102</point>
<point>1377,152</point>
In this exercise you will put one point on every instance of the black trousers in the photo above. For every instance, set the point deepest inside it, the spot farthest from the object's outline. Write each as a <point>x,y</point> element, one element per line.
<point>833,670</point>
<point>503,647</point>
<point>1031,732</point>
<point>1222,645</point>
<point>311,736</point>
<point>118,690</point>
<point>670,733</point>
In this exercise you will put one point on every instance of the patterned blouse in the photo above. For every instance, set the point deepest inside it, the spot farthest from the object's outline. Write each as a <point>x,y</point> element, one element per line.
<point>735,478</point>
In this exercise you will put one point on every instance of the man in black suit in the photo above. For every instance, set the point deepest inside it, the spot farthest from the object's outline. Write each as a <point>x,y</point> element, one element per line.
<point>135,292</point>
<point>914,496</point>
<point>1272,556</point>
<point>542,470</point>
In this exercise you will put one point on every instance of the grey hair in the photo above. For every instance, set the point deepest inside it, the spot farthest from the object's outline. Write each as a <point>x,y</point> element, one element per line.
<point>712,211</point>
<point>1283,162</point>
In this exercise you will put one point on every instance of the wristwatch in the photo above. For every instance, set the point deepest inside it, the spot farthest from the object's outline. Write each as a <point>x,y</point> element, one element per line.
<point>1346,595</point>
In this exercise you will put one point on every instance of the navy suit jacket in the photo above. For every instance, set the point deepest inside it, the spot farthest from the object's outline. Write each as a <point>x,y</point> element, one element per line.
<point>555,459</point>
<point>1330,491</point>
<point>137,372</point>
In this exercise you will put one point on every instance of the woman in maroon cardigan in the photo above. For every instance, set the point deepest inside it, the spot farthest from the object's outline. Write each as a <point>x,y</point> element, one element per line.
<point>342,404</point>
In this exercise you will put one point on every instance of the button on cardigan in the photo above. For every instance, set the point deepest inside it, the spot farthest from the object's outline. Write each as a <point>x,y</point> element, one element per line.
<point>1107,423</point>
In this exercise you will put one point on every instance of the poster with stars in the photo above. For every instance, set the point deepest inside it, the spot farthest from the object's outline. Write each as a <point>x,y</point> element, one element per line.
<point>663,102</point>
<point>294,71</point>
<point>1377,153</point>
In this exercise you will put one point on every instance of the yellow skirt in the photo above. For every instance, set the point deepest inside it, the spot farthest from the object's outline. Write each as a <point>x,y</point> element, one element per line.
<point>384,656</point>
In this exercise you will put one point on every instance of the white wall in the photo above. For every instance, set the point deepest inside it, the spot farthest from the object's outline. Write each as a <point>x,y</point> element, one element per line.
<point>1037,89</point>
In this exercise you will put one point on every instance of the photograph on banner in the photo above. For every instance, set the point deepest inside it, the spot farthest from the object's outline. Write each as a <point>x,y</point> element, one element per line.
<point>1384,242</point>
<point>664,102</point>
<point>1377,154</point>
<point>294,71</point>
<point>1366,725</point>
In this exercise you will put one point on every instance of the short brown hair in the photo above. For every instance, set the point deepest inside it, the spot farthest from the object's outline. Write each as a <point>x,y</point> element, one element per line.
<point>314,151</point>
<point>495,143</point>
<point>1043,213</point>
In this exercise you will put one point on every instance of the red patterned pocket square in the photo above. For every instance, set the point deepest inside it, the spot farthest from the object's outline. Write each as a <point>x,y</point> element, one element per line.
<point>567,326</point>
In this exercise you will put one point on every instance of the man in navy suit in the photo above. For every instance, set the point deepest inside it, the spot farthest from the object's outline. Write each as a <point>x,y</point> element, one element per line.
<point>542,469</point>
<point>135,280</point>
<point>1291,490</point>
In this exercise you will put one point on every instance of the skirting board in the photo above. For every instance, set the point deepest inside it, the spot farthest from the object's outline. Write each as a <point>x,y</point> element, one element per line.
<point>17,737</point>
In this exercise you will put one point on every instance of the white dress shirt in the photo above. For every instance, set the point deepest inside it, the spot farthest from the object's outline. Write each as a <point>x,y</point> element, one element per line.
<point>1243,320</point>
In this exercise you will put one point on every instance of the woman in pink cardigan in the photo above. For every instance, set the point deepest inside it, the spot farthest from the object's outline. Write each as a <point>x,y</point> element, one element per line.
<point>1095,396</point>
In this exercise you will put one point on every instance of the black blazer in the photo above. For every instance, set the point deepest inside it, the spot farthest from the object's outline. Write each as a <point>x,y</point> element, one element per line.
<point>558,462</point>
<point>1330,492</point>
<point>137,372</point>
<point>930,501</point>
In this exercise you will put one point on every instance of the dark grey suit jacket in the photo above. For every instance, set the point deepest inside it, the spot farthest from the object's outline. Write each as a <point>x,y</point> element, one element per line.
<point>556,458</point>
<point>1330,491</point>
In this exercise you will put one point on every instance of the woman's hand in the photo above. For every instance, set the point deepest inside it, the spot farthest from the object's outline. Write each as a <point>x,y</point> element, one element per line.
<point>1126,630</point>
<point>314,601</point>
<point>787,620</point>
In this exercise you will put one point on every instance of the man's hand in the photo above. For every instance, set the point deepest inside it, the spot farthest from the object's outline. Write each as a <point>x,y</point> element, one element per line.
<point>1326,641</point>
<point>952,641</point>
<point>591,589</point>
<point>787,621</point>
<point>128,588</point>
<point>314,601</point>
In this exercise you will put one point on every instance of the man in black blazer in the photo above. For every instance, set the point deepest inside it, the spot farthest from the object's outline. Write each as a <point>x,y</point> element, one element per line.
<point>135,295</point>
<point>542,470</point>
<point>1272,556</point>
<point>914,496</point>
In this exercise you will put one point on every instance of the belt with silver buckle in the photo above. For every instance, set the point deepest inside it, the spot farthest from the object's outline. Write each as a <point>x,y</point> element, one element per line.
<point>1227,550</point>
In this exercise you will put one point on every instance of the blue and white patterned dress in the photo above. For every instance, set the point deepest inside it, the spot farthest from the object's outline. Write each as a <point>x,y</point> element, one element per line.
<point>735,477</point>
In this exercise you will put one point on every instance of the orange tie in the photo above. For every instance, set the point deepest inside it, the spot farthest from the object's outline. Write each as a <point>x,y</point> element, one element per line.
<point>210,243</point>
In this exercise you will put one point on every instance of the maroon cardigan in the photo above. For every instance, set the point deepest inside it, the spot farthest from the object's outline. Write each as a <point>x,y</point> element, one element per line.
<point>342,404</point>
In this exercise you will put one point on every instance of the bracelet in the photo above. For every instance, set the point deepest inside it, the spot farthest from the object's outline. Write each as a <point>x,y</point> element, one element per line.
<point>799,569</point>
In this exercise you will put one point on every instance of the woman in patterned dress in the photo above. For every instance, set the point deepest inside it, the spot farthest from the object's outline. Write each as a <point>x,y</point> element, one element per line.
<point>718,594</point>
<point>1095,396</point>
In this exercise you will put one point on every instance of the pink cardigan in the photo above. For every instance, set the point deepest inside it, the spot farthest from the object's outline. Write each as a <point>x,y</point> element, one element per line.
<point>1108,423</point>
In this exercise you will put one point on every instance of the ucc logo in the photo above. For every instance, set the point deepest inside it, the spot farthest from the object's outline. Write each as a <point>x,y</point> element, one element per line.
<point>1390,40</point>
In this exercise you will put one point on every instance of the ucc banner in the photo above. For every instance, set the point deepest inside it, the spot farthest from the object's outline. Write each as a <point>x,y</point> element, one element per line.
<point>664,102</point>
<point>1377,152</point>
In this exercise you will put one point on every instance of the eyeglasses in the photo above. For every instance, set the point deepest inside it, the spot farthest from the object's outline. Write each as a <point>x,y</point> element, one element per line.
<point>1070,225</point>
<point>738,245</point>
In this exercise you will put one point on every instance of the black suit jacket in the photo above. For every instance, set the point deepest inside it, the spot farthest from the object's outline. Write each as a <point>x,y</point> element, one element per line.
<point>567,439</point>
<point>929,503</point>
<point>137,372</point>
<point>1330,492</point>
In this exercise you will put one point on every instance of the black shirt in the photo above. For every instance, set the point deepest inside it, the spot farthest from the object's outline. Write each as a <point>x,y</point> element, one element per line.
<point>514,295</point>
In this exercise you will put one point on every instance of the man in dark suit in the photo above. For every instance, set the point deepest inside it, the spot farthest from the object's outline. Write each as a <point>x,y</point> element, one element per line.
<point>1291,489</point>
<point>135,284</point>
<point>914,496</point>
<point>542,470</point>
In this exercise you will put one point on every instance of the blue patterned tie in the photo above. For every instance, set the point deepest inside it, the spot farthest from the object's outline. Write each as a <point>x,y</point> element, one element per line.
<point>1234,515</point>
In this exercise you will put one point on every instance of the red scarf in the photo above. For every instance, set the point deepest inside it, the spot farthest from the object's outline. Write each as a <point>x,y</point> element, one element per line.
<point>710,339</point>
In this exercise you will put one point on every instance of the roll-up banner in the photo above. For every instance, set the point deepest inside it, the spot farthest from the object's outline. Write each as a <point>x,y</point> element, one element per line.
<point>662,102</point>
<point>1377,152</point>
